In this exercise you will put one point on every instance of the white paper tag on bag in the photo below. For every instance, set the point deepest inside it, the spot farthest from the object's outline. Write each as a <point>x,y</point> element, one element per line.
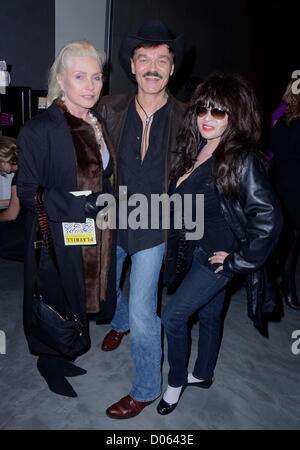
<point>80,233</point>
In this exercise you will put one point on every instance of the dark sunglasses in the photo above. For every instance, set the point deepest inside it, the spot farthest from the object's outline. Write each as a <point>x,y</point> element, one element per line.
<point>217,113</point>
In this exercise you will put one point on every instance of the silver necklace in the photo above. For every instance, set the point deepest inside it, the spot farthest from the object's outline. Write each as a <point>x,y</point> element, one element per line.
<point>148,119</point>
<point>96,126</point>
<point>145,135</point>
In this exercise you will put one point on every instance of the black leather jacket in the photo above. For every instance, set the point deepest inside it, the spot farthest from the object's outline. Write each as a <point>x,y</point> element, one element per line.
<point>113,109</point>
<point>256,220</point>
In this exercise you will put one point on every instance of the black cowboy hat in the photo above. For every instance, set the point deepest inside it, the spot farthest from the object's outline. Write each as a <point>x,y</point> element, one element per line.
<point>151,31</point>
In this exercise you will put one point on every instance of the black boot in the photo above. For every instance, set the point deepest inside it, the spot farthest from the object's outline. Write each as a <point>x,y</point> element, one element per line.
<point>288,282</point>
<point>288,290</point>
<point>291,300</point>
<point>70,370</point>
<point>63,366</point>
<point>67,368</point>
<point>54,377</point>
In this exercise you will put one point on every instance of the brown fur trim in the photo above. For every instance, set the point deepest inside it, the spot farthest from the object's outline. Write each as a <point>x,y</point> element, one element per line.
<point>96,259</point>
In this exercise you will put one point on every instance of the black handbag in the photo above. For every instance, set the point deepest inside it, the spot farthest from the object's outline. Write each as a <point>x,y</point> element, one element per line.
<point>64,333</point>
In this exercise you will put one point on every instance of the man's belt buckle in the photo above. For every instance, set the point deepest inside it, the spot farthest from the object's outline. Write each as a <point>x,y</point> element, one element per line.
<point>38,244</point>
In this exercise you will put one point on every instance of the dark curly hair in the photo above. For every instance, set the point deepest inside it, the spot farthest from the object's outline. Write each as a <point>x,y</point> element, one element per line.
<point>242,135</point>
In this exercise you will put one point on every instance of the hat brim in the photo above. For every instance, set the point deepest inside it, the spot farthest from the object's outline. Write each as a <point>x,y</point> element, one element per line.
<point>131,42</point>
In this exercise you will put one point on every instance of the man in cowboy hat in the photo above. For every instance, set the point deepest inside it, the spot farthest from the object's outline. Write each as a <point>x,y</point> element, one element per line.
<point>143,128</point>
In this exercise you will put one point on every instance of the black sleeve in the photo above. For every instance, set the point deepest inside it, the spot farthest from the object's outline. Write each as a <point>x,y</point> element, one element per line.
<point>33,158</point>
<point>263,219</point>
<point>102,109</point>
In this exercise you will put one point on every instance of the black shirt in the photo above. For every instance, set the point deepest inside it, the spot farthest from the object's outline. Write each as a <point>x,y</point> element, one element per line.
<point>14,180</point>
<point>143,177</point>
<point>217,233</point>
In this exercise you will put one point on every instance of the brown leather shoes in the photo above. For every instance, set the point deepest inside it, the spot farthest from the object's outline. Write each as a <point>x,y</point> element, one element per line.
<point>112,340</point>
<point>126,408</point>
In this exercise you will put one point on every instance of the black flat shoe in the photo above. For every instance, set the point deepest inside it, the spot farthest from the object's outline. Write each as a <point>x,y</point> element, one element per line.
<point>165,408</point>
<point>202,384</point>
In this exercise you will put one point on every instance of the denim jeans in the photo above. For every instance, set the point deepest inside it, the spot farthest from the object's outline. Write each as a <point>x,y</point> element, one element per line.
<point>139,314</point>
<point>202,290</point>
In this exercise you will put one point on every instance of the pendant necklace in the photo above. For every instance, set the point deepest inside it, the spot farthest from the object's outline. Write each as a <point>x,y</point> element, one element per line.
<point>145,136</point>
<point>148,119</point>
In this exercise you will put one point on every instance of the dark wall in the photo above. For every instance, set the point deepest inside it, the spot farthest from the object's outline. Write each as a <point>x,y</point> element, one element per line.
<point>282,54</point>
<point>27,40</point>
<point>255,38</point>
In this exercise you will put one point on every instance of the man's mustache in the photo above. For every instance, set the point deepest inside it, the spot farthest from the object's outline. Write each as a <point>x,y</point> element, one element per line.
<point>152,74</point>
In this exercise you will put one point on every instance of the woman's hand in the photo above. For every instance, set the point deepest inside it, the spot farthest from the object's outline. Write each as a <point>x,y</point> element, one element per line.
<point>218,258</point>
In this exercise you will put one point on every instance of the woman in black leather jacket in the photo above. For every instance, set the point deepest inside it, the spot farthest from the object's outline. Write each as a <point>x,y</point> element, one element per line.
<point>285,146</point>
<point>219,157</point>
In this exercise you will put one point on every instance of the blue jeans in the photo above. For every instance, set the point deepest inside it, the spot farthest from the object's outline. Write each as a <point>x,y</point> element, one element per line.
<point>202,290</point>
<point>139,314</point>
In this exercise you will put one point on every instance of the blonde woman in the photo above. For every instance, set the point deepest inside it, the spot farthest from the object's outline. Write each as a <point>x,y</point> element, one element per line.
<point>62,150</point>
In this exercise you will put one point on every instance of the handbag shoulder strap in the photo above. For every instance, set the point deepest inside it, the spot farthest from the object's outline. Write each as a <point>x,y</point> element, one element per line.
<point>44,239</point>
<point>43,227</point>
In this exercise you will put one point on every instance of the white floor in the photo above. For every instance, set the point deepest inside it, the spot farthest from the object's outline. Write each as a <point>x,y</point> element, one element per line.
<point>256,379</point>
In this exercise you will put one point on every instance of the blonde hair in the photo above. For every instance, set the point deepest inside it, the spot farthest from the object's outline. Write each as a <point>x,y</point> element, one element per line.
<point>8,151</point>
<point>74,48</point>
